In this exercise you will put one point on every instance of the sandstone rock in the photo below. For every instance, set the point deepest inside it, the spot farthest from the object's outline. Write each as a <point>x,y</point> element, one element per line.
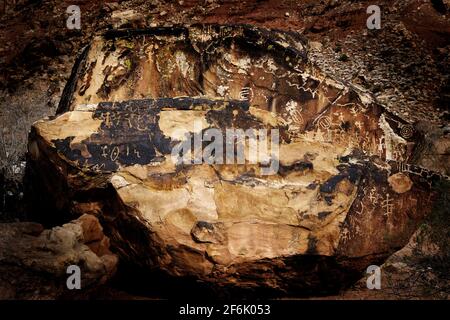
<point>400,182</point>
<point>327,212</point>
<point>34,261</point>
<point>315,45</point>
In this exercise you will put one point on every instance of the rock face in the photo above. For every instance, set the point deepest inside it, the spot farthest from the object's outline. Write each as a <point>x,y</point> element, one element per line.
<point>34,261</point>
<point>344,193</point>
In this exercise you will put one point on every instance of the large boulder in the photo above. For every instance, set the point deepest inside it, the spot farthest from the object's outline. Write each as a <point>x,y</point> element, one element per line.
<point>335,193</point>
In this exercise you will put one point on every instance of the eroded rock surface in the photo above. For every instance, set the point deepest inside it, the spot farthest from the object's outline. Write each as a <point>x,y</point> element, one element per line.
<point>346,193</point>
<point>34,261</point>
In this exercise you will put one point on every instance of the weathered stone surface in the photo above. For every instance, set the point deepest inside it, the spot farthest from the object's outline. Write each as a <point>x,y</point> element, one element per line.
<point>400,182</point>
<point>345,195</point>
<point>270,70</point>
<point>34,261</point>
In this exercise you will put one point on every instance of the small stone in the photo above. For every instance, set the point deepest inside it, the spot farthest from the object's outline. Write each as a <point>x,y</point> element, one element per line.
<point>119,182</point>
<point>400,182</point>
<point>315,45</point>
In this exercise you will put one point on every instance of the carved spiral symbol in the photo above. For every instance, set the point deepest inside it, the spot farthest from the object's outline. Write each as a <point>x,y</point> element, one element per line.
<point>407,131</point>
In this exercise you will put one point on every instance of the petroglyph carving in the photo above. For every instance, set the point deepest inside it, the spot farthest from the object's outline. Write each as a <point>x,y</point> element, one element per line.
<point>329,206</point>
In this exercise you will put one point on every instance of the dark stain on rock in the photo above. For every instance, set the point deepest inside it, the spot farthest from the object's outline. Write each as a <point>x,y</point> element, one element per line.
<point>205,225</point>
<point>352,173</point>
<point>297,167</point>
<point>346,125</point>
<point>312,245</point>
<point>129,132</point>
<point>329,200</point>
<point>323,214</point>
<point>329,185</point>
<point>233,117</point>
<point>312,186</point>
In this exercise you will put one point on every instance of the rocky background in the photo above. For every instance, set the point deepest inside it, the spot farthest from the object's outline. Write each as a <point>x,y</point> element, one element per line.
<point>405,64</point>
